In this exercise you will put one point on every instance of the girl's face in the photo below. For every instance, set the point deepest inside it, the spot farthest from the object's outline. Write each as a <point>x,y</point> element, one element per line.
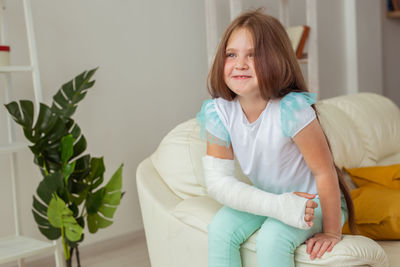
<point>239,71</point>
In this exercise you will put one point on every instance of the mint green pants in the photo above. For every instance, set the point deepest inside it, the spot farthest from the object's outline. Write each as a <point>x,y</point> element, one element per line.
<point>276,241</point>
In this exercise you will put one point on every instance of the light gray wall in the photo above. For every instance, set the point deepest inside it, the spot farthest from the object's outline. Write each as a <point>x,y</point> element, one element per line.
<point>369,46</point>
<point>331,47</point>
<point>391,56</point>
<point>152,59</point>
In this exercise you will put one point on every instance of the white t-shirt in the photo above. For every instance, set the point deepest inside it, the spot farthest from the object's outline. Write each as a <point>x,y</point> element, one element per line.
<point>264,148</point>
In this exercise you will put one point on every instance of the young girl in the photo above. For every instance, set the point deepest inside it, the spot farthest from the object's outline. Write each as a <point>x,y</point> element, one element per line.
<point>262,114</point>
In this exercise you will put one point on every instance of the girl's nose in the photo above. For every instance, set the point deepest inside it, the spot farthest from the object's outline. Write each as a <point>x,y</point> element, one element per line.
<point>241,64</point>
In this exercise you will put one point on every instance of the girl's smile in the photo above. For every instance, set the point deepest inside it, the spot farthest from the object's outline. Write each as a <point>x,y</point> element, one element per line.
<point>241,77</point>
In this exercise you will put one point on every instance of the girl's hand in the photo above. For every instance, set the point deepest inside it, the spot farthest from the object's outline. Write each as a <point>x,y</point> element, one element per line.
<point>310,207</point>
<point>320,243</point>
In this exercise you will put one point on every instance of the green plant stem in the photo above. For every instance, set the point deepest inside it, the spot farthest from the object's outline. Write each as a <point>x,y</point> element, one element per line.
<point>65,245</point>
<point>71,252</point>
<point>77,256</point>
<point>45,169</point>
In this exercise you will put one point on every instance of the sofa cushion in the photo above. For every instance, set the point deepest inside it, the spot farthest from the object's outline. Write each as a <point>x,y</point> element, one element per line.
<point>353,250</point>
<point>388,176</point>
<point>178,160</point>
<point>198,212</point>
<point>377,212</point>
<point>380,138</point>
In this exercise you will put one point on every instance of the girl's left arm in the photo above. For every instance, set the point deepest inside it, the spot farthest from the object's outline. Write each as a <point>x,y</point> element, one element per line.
<point>313,145</point>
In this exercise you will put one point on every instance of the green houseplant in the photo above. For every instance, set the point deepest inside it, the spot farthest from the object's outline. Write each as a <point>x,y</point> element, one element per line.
<point>70,195</point>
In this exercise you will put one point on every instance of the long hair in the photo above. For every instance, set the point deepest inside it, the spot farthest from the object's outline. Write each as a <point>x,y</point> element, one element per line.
<point>277,70</point>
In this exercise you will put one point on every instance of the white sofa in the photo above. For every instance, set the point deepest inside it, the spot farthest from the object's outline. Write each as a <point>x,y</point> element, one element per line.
<point>363,129</point>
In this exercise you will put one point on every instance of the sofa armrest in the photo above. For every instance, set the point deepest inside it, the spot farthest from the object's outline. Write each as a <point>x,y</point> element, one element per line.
<point>151,186</point>
<point>197,212</point>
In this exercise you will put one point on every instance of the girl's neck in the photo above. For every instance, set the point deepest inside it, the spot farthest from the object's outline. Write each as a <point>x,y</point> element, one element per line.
<point>252,107</point>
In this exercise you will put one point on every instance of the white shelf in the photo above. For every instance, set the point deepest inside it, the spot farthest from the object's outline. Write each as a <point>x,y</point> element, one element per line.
<point>16,247</point>
<point>15,68</point>
<point>13,147</point>
<point>303,61</point>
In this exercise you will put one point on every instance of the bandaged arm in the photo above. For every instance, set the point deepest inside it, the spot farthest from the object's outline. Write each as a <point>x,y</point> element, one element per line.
<point>226,189</point>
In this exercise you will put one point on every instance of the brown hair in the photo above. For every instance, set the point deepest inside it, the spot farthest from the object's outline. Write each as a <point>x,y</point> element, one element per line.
<point>277,70</point>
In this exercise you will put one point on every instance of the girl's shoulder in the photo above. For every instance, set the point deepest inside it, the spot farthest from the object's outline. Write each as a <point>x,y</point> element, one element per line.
<point>211,121</point>
<point>215,104</point>
<point>296,112</point>
<point>298,100</point>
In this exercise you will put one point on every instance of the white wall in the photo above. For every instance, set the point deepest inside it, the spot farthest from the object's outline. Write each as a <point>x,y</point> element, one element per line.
<point>152,59</point>
<point>369,46</point>
<point>331,48</point>
<point>391,56</point>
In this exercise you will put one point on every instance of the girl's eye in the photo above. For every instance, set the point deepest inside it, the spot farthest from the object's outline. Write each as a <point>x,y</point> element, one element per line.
<point>230,55</point>
<point>251,55</point>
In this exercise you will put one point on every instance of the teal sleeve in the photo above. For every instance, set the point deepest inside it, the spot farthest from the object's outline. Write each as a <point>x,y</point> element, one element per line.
<point>211,127</point>
<point>296,112</point>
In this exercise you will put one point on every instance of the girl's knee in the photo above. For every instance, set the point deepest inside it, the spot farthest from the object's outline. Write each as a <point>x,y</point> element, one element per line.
<point>225,233</point>
<point>230,226</point>
<point>274,244</point>
<point>221,224</point>
<point>274,237</point>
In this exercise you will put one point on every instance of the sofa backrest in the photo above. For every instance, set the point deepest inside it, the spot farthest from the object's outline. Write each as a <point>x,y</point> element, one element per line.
<point>347,148</point>
<point>377,120</point>
<point>362,129</point>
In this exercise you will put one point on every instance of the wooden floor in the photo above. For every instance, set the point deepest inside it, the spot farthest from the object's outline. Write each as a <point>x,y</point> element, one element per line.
<point>129,250</point>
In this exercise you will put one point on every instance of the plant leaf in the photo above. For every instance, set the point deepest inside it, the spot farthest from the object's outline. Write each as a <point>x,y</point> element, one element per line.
<point>102,205</point>
<point>67,148</point>
<point>96,176</point>
<point>95,222</point>
<point>94,201</point>
<point>45,120</point>
<point>15,113</point>
<point>49,185</point>
<point>71,93</point>
<point>79,146</point>
<point>60,216</point>
<point>25,119</point>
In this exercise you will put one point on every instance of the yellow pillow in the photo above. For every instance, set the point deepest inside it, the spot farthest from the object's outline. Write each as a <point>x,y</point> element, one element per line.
<point>377,212</point>
<point>388,176</point>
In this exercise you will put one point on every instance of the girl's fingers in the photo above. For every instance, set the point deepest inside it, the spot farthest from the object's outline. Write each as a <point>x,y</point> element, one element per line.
<point>310,244</point>
<point>309,217</point>
<point>305,195</point>
<point>314,252</point>
<point>323,248</point>
<point>331,247</point>
<point>310,211</point>
<point>311,204</point>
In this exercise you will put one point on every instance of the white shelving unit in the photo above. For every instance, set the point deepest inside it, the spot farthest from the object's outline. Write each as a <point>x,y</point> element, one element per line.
<point>312,56</point>
<point>16,247</point>
<point>5,69</point>
<point>236,7</point>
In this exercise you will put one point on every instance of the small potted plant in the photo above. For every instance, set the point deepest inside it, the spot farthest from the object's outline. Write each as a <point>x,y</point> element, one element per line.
<point>70,195</point>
